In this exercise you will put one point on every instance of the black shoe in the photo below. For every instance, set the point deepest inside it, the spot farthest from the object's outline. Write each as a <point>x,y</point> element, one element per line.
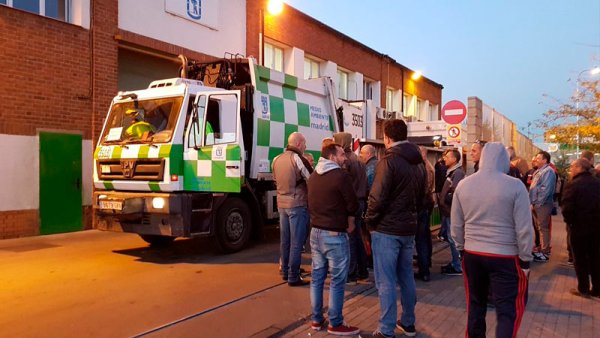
<point>299,282</point>
<point>407,330</point>
<point>423,277</point>
<point>375,334</point>
<point>450,270</point>
<point>576,292</point>
<point>351,279</point>
<point>363,276</point>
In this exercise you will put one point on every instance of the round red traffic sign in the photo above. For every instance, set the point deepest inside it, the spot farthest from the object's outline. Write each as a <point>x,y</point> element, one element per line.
<point>454,132</point>
<point>454,112</point>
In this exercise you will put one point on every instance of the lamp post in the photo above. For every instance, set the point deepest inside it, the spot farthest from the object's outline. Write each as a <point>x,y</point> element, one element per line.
<point>592,71</point>
<point>274,7</point>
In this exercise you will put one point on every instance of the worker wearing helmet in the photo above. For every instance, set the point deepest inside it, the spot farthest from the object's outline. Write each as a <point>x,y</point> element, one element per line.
<point>138,128</point>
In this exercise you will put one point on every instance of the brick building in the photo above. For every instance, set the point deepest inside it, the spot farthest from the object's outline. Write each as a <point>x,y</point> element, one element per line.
<point>64,60</point>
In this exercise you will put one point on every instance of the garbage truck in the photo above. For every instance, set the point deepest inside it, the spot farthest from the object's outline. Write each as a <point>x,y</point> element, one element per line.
<point>191,156</point>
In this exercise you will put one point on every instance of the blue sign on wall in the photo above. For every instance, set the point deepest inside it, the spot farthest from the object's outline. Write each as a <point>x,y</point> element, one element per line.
<point>194,9</point>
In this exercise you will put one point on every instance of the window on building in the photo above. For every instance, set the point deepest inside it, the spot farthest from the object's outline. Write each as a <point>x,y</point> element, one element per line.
<point>419,112</point>
<point>57,9</point>
<point>273,57</point>
<point>311,68</point>
<point>367,90</point>
<point>405,104</point>
<point>389,100</point>
<point>433,112</point>
<point>342,84</point>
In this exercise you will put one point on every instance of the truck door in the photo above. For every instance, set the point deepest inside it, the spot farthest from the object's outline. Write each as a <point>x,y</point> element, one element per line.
<point>213,155</point>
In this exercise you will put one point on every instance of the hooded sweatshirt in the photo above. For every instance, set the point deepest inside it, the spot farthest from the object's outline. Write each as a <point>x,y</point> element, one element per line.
<point>331,198</point>
<point>353,165</point>
<point>490,210</point>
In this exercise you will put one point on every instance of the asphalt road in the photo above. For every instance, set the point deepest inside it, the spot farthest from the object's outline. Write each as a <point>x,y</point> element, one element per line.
<point>102,284</point>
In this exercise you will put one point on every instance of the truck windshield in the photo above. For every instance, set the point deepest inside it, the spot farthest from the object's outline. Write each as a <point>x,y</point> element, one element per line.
<point>142,121</point>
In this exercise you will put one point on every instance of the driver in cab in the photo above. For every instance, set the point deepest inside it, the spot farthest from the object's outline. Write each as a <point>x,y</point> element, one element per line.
<point>139,128</point>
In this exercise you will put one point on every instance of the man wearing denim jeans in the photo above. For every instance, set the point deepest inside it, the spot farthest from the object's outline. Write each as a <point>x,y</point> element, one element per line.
<point>290,172</point>
<point>454,175</point>
<point>394,200</point>
<point>541,195</point>
<point>332,203</point>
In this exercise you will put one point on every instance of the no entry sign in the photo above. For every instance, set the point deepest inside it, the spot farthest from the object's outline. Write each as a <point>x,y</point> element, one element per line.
<point>454,112</point>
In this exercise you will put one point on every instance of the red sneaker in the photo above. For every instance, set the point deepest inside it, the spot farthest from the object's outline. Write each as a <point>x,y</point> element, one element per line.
<point>343,330</point>
<point>318,326</point>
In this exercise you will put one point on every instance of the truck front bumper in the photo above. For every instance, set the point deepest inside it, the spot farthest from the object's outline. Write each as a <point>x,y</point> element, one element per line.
<point>142,213</point>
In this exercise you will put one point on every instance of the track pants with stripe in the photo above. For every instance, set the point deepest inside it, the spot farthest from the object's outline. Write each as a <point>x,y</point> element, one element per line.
<point>503,274</point>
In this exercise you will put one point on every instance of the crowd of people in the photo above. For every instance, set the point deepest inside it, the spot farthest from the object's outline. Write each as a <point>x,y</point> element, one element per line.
<point>375,211</point>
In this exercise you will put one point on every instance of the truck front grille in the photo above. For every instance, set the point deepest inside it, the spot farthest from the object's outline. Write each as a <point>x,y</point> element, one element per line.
<point>147,169</point>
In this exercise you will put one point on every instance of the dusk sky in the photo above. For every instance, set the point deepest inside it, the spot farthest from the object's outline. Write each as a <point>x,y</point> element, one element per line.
<point>508,53</point>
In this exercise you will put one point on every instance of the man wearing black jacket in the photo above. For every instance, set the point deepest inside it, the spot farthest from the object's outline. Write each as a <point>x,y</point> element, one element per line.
<point>395,198</point>
<point>580,205</point>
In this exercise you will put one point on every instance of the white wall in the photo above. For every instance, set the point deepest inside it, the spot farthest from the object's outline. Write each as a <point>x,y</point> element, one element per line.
<point>19,172</point>
<point>150,19</point>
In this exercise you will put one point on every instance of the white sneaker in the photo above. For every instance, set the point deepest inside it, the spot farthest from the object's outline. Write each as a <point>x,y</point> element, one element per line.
<point>540,257</point>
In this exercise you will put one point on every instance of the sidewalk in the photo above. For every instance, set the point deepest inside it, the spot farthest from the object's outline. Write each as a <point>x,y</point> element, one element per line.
<point>441,310</point>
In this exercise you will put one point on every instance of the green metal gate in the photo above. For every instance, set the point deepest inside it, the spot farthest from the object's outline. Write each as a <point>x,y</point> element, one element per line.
<point>60,183</point>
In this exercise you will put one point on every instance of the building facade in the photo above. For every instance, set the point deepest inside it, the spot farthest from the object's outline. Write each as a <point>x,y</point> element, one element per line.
<point>64,60</point>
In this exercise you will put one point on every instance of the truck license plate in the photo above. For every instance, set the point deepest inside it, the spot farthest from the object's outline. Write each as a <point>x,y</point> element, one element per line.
<point>105,169</point>
<point>114,205</point>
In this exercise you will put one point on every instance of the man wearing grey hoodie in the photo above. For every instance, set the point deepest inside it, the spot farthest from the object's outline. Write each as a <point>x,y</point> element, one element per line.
<point>492,226</point>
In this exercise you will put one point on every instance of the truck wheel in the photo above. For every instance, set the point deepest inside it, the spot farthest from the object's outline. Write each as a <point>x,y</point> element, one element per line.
<point>233,225</point>
<point>157,240</point>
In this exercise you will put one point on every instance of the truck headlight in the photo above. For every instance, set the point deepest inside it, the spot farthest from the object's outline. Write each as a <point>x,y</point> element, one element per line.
<point>158,202</point>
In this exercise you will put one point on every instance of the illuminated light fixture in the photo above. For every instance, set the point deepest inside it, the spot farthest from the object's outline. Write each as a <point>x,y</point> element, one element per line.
<point>174,178</point>
<point>158,202</point>
<point>275,7</point>
<point>416,75</point>
<point>553,137</point>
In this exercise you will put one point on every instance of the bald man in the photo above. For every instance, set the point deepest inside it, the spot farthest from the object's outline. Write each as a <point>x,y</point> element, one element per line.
<point>290,172</point>
<point>367,156</point>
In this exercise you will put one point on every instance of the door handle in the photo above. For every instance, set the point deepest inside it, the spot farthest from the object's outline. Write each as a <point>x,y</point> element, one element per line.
<point>78,183</point>
<point>232,167</point>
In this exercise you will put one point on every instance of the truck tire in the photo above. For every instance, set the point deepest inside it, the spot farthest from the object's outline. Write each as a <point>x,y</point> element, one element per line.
<point>157,240</point>
<point>233,225</point>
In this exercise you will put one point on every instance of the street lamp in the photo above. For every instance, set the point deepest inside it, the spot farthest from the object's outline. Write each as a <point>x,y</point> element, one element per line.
<point>274,7</point>
<point>592,71</point>
<point>416,75</point>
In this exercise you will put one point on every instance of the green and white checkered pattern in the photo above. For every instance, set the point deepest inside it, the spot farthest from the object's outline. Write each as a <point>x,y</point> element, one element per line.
<point>214,168</point>
<point>173,155</point>
<point>285,104</point>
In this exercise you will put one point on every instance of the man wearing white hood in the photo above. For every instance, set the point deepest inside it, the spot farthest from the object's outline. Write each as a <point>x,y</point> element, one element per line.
<point>493,228</point>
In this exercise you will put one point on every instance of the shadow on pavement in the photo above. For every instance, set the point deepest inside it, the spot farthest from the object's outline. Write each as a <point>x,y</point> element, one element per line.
<point>203,251</point>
